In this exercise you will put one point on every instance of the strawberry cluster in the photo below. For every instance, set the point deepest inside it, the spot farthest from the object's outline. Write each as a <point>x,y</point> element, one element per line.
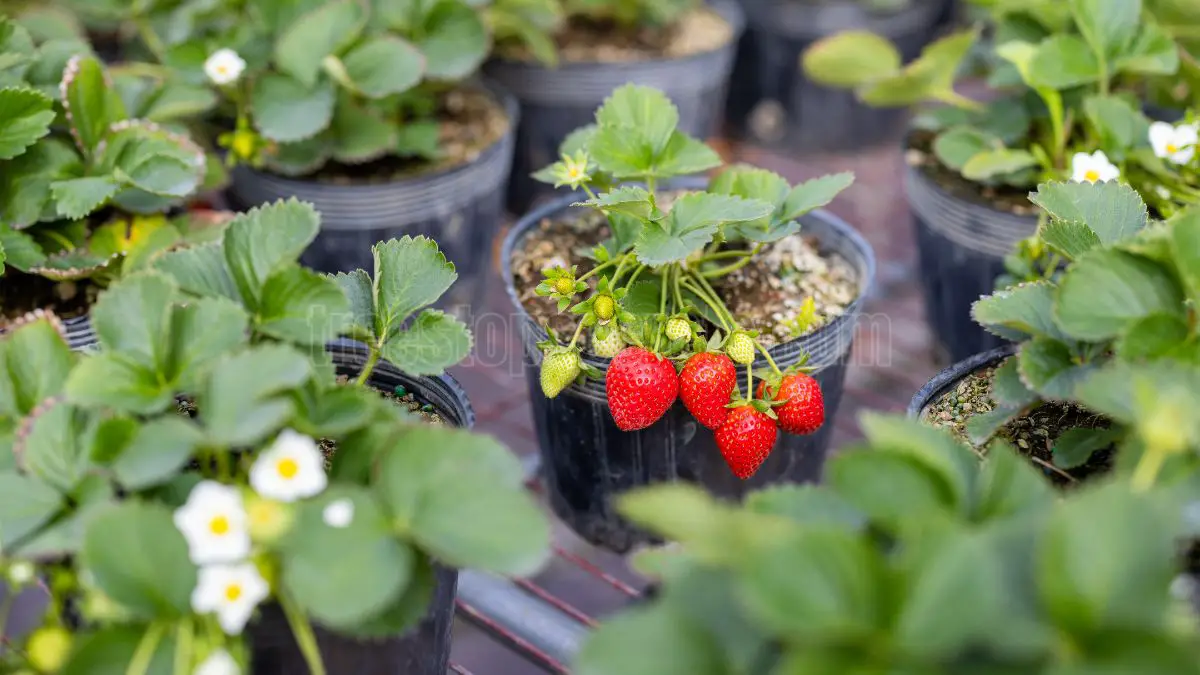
<point>642,385</point>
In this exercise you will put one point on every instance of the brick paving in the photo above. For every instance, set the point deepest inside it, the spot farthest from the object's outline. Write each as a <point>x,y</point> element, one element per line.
<point>892,358</point>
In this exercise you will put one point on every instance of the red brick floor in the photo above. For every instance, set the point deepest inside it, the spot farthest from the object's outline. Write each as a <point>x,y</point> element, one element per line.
<point>892,358</point>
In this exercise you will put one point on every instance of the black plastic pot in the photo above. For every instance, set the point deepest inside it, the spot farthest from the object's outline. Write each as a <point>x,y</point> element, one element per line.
<point>950,377</point>
<point>961,247</point>
<point>556,101</point>
<point>426,649</point>
<point>586,460</point>
<point>461,208</point>
<point>771,101</point>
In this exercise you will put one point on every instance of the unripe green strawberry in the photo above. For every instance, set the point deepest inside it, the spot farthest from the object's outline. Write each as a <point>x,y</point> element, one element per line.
<point>610,346</point>
<point>564,286</point>
<point>48,648</point>
<point>678,329</point>
<point>604,307</point>
<point>740,348</point>
<point>559,370</point>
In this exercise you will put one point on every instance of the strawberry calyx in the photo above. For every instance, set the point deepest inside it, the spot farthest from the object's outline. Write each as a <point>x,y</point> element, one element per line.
<point>762,406</point>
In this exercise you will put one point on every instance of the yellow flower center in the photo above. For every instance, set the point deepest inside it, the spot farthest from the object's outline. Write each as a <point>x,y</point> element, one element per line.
<point>219,525</point>
<point>1172,148</point>
<point>573,172</point>
<point>1091,175</point>
<point>563,286</point>
<point>287,468</point>
<point>233,592</point>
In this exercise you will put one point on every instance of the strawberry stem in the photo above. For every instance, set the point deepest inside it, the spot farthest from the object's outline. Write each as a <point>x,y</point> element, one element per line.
<point>722,271</point>
<point>599,267</point>
<point>770,360</point>
<point>575,337</point>
<point>733,324</point>
<point>636,272</point>
<point>703,295</point>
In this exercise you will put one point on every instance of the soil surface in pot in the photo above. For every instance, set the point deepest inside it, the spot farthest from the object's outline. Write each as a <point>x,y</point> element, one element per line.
<point>920,156</point>
<point>21,293</point>
<point>588,41</point>
<point>765,295</point>
<point>424,413</point>
<point>471,121</point>
<point>1033,434</point>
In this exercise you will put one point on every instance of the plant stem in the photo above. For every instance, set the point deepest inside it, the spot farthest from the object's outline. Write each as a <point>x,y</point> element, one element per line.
<point>749,381</point>
<point>662,294</point>
<point>722,271</point>
<point>368,367</point>
<point>183,648</point>
<point>140,662</point>
<point>575,337</point>
<point>633,277</point>
<point>1146,471</point>
<point>700,293</point>
<point>154,44</point>
<point>767,355</point>
<point>222,457</point>
<point>303,632</point>
<point>599,267</point>
<point>733,324</point>
<point>590,194</point>
<point>675,288</point>
<point>620,270</point>
<point>724,254</point>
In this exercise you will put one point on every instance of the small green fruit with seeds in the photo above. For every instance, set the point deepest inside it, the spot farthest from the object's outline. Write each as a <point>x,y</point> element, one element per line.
<point>559,369</point>
<point>740,349</point>
<point>609,346</point>
<point>564,286</point>
<point>604,307</point>
<point>678,329</point>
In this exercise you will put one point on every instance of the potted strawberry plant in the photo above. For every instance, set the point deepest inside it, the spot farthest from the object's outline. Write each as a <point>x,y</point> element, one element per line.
<point>590,47</point>
<point>1066,104</point>
<point>85,189</point>
<point>1105,364</point>
<point>771,101</point>
<point>212,491</point>
<point>366,110</point>
<point>673,330</point>
<point>860,575</point>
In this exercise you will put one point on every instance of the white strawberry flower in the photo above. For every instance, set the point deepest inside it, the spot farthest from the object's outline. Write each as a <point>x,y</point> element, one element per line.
<point>1093,168</point>
<point>213,521</point>
<point>218,663</point>
<point>230,591</point>
<point>339,513</point>
<point>291,468</point>
<point>1176,143</point>
<point>224,66</point>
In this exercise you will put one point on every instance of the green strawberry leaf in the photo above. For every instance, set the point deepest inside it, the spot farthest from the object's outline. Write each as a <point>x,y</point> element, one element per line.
<point>287,110</point>
<point>432,342</point>
<point>326,30</point>
<point>91,104</point>
<point>693,221</point>
<point>381,67</point>
<point>78,197</point>
<point>454,40</point>
<point>25,116</point>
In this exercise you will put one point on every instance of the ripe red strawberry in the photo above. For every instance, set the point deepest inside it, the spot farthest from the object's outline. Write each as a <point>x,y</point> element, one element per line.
<point>641,387</point>
<point>746,439</point>
<point>804,411</point>
<point>705,384</point>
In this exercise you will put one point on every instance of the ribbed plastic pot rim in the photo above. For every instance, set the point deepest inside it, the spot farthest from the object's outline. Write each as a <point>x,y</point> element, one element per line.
<point>531,219</point>
<point>952,375</point>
